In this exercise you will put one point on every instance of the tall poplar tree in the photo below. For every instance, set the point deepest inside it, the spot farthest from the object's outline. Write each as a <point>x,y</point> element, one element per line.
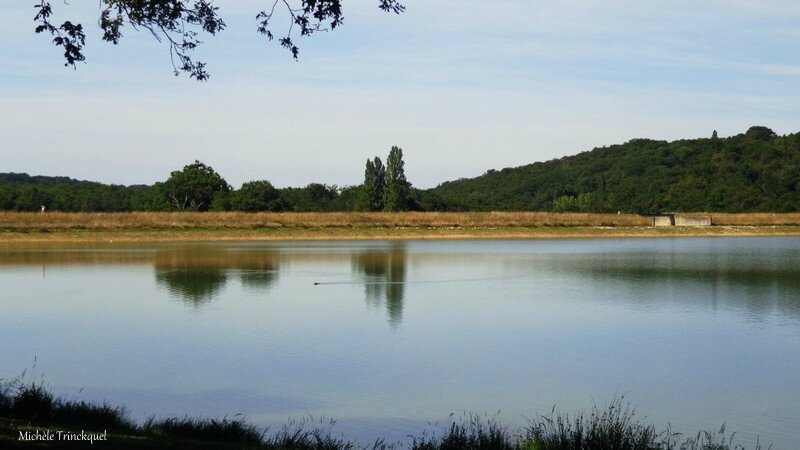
<point>397,191</point>
<point>368,188</point>
<point>374,182</point>
<point>376,200</point>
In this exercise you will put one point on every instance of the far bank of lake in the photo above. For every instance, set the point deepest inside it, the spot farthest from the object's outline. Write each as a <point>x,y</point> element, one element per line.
<point>231,226</point>
<point>378,234</point>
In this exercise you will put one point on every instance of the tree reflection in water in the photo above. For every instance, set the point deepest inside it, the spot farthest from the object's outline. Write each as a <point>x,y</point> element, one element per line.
<point>196,286</point>
<point>383,273</point>
<point>260,280</point>
<point>197,276</point>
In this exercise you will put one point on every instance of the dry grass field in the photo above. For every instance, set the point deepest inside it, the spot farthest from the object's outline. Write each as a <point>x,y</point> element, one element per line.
<point>160,227</point>
<point>756,219</point>
<point>53,221</point>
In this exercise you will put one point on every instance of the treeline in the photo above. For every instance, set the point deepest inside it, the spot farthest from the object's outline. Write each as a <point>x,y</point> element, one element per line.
<point>756,171</point>
<point>22,192</point>
<point>85,196</point>
<point>198,187</point>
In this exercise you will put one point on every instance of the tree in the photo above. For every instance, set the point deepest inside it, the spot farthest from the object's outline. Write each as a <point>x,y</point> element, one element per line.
<point>397,189</point>
<point>368,188</point>
<point>589,202</point>
<point>180,23</point>
<point>759,133</point>
<point>373,187</point>
<point>565,203</point>
<point>380,185</point>
<point>256,196</point>
<point>193,188</point>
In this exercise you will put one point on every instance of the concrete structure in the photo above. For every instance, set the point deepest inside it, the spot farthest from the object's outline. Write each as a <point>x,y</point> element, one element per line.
<point>679,220</point>
<point>662,220</point>
<point>692,221</point>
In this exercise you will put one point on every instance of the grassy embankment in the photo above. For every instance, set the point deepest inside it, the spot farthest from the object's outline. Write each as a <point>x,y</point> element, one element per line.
<point>151,226</point>
<point>31,407</point>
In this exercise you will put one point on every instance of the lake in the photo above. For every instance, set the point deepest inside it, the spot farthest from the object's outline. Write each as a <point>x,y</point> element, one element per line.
<point>386,337</point>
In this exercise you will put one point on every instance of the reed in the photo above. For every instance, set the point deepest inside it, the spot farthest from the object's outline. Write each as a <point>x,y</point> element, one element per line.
<point>221,430</point>
<point>615,426</point>
<point>612,427</point>
<point>473,432</point>
<point>34,402</point>
<point>308,434</point>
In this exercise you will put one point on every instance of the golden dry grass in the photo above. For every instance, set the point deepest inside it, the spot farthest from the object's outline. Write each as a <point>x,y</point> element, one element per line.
<point>54,221</point>
<point>11,240</point>
<point>233,226</point>
<point>756,219</point>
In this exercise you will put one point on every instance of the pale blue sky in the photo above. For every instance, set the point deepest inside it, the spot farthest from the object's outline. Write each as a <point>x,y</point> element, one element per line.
<point>490,84</point>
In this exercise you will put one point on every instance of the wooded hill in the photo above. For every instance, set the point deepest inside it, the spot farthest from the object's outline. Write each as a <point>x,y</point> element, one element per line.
<point>757,171</point>
<point>754,171</point>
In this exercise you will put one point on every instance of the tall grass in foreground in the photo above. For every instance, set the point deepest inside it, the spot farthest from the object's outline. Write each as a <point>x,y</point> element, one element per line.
<point>34,402</point>
<point>614,427</point>
<point>307,434</point>
<point>474,432</point>
<point>225,430</point>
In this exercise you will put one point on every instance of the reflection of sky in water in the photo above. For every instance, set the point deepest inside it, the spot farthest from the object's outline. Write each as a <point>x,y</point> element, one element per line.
<point>388,335</point>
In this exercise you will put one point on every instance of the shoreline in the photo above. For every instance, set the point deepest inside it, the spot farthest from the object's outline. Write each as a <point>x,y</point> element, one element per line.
<point>31,415</point>
<point>59,227</point>
<point>165,235</point>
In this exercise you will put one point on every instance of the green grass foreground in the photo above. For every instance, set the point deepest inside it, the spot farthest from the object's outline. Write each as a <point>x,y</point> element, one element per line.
<point>31,407</point>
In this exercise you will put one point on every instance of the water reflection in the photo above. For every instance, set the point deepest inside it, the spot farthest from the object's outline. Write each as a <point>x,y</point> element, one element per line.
<point>198,275</point>
<point>756,282</point>
<point>195,274</point>
<point>383,273</point>
<point>195,286</point>
<point>258,279</point>
<point>760,276</point>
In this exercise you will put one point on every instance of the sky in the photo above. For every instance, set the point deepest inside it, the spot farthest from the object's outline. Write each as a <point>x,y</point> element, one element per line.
<point>462,86</point>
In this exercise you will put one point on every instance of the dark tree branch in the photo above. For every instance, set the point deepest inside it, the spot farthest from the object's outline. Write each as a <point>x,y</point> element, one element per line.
<point>180,23</point>
<point>67,35</point>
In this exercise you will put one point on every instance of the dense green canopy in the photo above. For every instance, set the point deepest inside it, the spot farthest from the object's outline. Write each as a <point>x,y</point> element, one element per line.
<point>754,171</point>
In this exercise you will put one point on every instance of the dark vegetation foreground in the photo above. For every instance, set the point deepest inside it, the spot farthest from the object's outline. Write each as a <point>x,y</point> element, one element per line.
<point>32,407</point>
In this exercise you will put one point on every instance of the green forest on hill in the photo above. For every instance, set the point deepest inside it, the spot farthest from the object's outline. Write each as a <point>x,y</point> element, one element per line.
<point>756,171</point>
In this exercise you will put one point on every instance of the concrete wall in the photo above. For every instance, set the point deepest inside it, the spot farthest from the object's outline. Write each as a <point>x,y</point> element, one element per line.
<point>662,221</point>
<point>692,221</point>
<point>680,220</point>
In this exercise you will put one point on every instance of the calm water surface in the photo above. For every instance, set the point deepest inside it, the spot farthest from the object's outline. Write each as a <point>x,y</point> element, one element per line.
<point>386,336</point>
